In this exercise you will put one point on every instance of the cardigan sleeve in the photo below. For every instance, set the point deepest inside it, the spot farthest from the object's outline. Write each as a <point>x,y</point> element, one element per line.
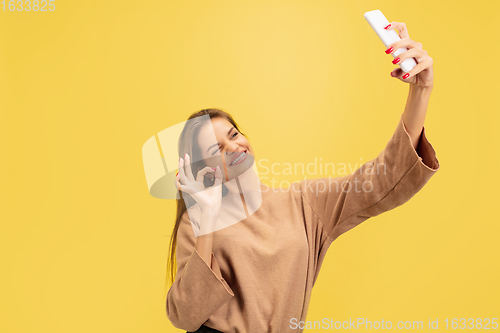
<point>381,184</point>
<point>197,292</point>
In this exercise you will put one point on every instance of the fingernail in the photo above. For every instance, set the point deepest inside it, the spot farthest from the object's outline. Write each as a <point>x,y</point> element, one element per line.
<point>389,50</point>
<point>213,169</point>
<point>387,27</point>
<point>395,61</point>
<point>392,74</point>
<point>406,76</point>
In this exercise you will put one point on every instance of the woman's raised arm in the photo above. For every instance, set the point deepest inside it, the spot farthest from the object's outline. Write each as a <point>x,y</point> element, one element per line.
<point>379,185</point>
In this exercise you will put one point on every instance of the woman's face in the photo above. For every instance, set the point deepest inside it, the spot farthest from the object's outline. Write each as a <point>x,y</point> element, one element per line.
<point>232,151</point>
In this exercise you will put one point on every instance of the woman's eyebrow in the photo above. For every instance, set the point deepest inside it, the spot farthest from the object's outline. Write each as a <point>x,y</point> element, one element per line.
<point>216,144</point>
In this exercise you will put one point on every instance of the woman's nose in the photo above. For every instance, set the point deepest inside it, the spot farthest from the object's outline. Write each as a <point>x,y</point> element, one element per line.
<point>233,149</point>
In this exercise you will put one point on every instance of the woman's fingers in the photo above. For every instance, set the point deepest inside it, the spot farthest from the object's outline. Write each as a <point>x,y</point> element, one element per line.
<point>188,168</point>
<point>419,55</point>
<point>405,42</point>
<point>398,72</point>
<point>403,31</point>
<point>181,187</point>
<point>420,67</point>
<point>218,176</point>
<point>182,175</point>
<point>203,172</point>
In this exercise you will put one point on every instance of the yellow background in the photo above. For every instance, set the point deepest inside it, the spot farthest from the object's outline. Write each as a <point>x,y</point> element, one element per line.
<point>84,245</point>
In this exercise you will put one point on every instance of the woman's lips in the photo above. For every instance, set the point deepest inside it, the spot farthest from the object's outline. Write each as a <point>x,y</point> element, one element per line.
<point>244,153</point>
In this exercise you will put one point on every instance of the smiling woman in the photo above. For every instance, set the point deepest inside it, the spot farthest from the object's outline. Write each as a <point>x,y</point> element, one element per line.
<point>247,257</point>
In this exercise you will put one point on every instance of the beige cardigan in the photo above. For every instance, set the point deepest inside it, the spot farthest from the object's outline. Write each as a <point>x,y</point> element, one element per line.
<point>270,261</point>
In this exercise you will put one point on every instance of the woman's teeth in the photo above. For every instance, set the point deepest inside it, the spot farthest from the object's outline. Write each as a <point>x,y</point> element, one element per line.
<point>239,157</point>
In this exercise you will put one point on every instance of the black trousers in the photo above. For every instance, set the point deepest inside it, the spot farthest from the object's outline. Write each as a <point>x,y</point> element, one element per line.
<point>205,329</point>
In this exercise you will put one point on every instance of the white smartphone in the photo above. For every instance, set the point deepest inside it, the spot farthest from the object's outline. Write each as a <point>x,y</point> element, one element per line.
<point>378,22</point>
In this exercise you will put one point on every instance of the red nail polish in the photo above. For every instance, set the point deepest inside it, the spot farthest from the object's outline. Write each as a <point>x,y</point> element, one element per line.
<point>389,50</point>
<point>392,74</point>
<point>387,27</point>
<point>395,61</point>
<point>406,76</point>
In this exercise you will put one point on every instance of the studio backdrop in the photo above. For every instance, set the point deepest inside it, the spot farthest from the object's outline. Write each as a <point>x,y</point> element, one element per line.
<point>85,84</point>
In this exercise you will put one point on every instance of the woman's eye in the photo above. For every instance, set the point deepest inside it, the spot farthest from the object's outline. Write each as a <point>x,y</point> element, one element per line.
<point>234,135</point>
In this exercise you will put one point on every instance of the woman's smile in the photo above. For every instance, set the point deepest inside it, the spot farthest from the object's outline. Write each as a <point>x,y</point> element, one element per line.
<point>241,157</point>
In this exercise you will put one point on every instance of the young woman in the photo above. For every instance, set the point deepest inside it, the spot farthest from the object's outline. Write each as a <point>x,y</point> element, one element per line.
<point>247,255</point>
